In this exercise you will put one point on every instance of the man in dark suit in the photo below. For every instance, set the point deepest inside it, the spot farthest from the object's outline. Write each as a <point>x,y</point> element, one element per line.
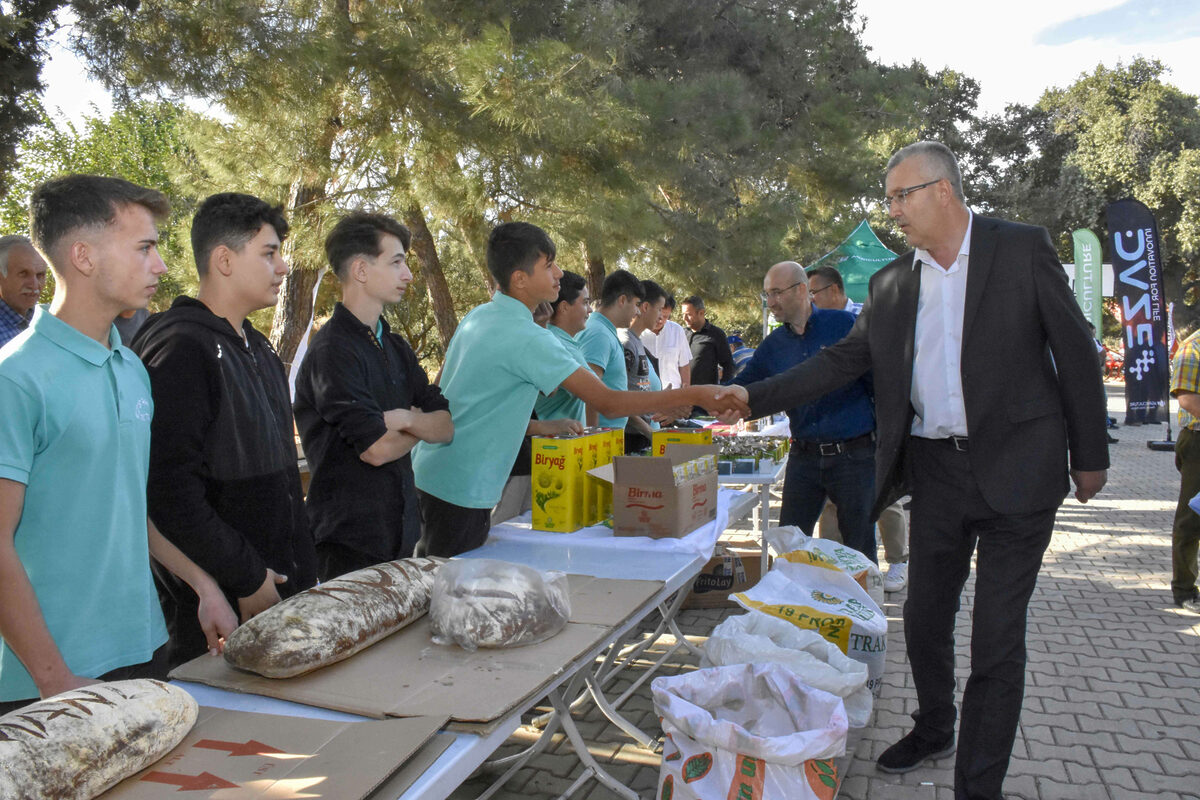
<point>985,381</point>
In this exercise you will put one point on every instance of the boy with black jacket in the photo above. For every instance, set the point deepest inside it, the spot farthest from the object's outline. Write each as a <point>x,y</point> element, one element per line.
<point>362,402</point>
<point>224,484</point>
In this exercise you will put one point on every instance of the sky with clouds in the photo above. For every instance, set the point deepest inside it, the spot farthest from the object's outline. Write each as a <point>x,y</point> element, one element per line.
<point>1015,49</point>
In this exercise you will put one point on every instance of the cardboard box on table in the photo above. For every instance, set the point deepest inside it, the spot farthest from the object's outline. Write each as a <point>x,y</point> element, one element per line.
<point>663,437</point>
<point>236,755</point>
<point>648,502</point>
<point>407,675</point>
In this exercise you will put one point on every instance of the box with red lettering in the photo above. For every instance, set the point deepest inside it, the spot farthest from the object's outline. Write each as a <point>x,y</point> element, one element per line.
<point>652,498</point>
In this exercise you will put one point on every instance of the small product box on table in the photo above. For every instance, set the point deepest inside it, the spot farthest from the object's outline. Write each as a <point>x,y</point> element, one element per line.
<point>664,497</point>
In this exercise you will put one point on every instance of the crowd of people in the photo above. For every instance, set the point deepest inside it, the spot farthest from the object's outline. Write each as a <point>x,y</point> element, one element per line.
<point>150,499</point>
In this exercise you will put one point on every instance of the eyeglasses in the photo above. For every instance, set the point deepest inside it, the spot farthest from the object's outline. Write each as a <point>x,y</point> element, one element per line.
<point>815,292</point>
<point>772,294</point>
<point>901,195</point>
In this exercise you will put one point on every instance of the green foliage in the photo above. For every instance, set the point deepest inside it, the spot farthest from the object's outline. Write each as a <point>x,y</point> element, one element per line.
<point>141,142</point>
<point>1114,133</point>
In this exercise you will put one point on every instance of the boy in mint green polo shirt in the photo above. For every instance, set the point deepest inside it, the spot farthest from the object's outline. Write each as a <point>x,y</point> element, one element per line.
<point>568,317</point>
<point>497,362</point>
<point>77,600</point>
<point>620,295</point>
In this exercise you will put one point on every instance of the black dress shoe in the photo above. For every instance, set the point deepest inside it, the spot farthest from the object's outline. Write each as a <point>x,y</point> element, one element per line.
<point>911,751</point>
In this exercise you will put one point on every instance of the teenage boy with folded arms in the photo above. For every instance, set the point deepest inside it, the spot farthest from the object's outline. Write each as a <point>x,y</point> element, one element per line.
<point>362,402</point>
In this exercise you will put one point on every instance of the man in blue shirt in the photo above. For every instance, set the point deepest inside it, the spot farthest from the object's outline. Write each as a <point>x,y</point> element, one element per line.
<point>833,438</point>
<point>22,276</point>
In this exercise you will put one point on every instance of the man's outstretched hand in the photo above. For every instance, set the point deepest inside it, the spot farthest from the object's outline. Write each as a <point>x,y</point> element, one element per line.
<point>727,403</point>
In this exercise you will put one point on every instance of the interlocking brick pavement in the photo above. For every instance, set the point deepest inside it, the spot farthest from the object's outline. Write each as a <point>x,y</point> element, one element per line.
<point>1112,706</point>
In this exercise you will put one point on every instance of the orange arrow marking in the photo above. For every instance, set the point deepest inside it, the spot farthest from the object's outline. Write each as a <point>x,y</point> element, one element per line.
<point>250,748</point>
<point>190,783</point>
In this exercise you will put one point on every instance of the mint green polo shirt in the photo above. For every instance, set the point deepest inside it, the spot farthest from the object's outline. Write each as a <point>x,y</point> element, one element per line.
<point>562,404</point>
<point>602,347</point>
<point>497,362</point>
<point>75,431</point>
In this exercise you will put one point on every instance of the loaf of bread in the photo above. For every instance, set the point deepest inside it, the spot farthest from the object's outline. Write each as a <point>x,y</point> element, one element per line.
<point>488,603</point>
<point>81,743</point>
<point>327,623</point>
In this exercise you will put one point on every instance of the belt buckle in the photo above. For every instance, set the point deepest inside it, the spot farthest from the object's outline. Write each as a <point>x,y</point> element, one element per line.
<point>960,443</point>
<point>834,448</point>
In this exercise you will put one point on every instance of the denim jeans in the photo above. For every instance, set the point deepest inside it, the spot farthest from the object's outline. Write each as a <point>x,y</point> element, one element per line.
<point>847,479</point>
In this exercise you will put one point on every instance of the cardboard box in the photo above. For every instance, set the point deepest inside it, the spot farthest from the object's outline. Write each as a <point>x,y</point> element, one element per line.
<point>240,754</point>
<point>647,500</point>
<point>661,438</point>
<point>731,570</point>
<point>407,675</point>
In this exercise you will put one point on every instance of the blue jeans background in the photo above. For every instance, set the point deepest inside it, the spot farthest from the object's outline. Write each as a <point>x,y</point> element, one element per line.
<point>848,479</point>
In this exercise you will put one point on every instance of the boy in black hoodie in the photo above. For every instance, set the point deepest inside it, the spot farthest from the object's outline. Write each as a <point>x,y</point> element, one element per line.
<point>224,485</point>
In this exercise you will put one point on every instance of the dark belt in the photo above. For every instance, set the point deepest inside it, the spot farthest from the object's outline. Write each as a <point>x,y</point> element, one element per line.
<point>834,448</point>
<point>959,443</point>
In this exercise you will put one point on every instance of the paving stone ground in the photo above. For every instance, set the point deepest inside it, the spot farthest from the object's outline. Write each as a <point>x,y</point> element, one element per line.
<point>1112,705</point>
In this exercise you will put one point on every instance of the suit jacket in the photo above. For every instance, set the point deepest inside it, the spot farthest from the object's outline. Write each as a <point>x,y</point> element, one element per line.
<point>1031,386</point>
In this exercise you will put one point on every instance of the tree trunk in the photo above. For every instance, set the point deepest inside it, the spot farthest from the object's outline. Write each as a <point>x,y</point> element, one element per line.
<point>595,270</point>
<point>435,280</point>
<point>294,308</point>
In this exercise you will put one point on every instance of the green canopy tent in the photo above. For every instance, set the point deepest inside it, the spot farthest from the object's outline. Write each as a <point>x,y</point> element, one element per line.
<point>859,257</point>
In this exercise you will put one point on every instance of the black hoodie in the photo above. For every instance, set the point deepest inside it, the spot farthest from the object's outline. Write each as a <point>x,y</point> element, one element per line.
<point>224,485</point>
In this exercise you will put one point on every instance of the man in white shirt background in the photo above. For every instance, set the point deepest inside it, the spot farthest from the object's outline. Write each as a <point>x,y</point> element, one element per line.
<point>667,343</point>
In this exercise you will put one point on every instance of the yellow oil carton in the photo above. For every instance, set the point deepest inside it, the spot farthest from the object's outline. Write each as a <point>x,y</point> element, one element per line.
<point>558,481</point>
<point>661,438</point>
<point>591,485</point>
<point>611,442</point>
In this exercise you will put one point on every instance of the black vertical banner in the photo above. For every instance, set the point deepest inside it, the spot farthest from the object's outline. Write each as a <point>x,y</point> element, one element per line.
<point>1137,269</point>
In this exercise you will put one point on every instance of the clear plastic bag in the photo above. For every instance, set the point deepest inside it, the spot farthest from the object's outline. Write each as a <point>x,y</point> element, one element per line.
<point>762,639</point>
<point>481,602</point>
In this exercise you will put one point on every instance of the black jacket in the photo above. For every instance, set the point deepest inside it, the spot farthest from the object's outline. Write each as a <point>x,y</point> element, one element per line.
<point>1031,386</point>
<point>347,380</point>
<point>224,484</point>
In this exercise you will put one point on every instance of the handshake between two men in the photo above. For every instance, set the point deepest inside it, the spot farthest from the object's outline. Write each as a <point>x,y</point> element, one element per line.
<point>726,403</point>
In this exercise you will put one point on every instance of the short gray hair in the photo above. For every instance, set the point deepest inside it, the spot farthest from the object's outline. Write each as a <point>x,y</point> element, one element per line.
<point>939,158</point>
<point>7,243</point>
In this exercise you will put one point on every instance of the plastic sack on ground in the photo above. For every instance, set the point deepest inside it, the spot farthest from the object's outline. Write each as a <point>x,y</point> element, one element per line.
<point>750,730</point>
<point>762,639</point>
<point>481,602</point>
<point>829,602</point>
<point>792,546</point>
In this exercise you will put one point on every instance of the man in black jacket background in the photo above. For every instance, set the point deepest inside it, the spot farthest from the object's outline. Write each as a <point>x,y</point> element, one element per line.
<point>224,485</point>
<point>362,402</point>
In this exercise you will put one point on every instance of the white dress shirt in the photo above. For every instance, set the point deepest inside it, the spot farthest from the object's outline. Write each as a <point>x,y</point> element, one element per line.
<point>670,347</point>
<point>937,394</point>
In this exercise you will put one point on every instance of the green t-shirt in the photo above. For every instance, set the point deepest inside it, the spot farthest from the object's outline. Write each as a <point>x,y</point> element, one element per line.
<point>75,431</point>
<point>562,404</point>
<point>497,362</point>
<point>602,347</point>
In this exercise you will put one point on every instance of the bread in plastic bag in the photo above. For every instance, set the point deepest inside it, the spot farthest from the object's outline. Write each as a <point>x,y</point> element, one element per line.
<point>763,639</point>
<point>482,602</point>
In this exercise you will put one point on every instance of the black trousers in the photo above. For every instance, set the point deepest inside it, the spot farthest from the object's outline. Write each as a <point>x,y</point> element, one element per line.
<point>950,520</point>
<point>448,530</point>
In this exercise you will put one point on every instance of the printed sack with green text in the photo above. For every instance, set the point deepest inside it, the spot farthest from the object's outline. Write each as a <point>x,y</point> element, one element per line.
<point>747,732</point>
<point>829,602</point>
<point>792,546</point>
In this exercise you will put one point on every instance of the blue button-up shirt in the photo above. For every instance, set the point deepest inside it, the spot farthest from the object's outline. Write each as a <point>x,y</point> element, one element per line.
<point>12,323</point>
<point>843,413</point>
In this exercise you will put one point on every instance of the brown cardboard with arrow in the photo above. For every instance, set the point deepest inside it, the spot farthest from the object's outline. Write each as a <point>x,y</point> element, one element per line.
<point>240,755</point>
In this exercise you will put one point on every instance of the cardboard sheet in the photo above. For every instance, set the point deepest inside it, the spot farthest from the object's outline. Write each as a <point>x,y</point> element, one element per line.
<point>240,755</point>
<point>408,675</point>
